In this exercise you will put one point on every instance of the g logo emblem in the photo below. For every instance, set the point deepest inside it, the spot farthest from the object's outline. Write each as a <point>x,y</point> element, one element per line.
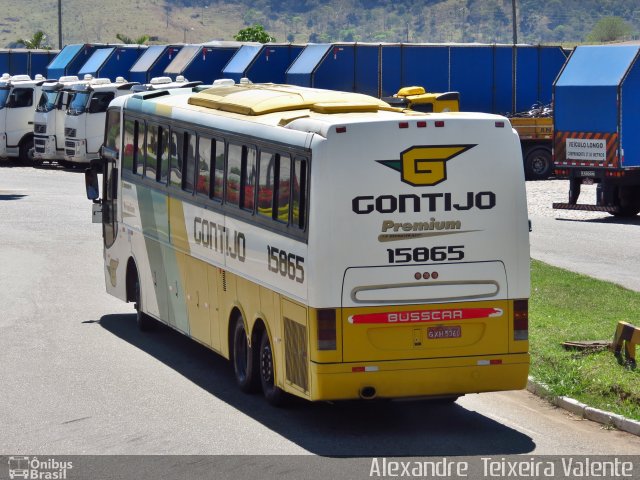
<point>425,166</point>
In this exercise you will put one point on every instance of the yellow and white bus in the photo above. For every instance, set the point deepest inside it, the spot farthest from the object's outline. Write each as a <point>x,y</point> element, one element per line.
<point>330,246</point>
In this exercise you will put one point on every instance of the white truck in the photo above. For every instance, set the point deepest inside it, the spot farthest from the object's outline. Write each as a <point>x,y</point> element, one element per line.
<point>18,95</point>
<point>85,117</point>
<point>48,126</point>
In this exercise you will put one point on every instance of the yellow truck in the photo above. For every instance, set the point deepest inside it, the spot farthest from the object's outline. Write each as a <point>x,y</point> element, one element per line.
<point>534,127</point>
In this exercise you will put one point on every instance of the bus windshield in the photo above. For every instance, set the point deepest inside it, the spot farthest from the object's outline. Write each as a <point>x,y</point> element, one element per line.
<point>47,100</point>
<point>4,95</point>
<point>78,103</point>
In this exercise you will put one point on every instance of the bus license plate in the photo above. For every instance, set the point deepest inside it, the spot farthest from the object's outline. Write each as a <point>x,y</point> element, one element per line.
<point>435,333</point>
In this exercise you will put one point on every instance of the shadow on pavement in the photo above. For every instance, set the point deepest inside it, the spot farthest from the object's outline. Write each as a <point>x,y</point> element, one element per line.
<point>343,429</point>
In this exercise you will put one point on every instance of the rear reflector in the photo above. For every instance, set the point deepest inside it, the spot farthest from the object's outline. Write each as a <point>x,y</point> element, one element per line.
<point>341,129</point>
<point>403,125</point>
<point>521,320</point>
<point>326,329</point>
<point>439,123</point>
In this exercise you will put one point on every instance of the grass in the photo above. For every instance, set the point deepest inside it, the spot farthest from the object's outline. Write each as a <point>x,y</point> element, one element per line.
<point>567,306</point>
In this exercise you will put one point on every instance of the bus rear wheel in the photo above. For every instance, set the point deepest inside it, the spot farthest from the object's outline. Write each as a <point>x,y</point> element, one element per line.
<point>244,360</point>
<point>274,395</point>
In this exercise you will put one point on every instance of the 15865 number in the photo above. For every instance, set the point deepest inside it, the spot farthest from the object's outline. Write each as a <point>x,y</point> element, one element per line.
<point>423,254</point>
<point>286,264</point>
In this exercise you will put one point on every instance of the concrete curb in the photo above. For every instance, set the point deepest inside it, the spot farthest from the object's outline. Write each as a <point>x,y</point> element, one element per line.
<point>581,410</point>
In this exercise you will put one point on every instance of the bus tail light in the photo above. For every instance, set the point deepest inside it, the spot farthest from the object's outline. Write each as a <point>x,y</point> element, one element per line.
<point>521,320</point>
<point>326,329</point>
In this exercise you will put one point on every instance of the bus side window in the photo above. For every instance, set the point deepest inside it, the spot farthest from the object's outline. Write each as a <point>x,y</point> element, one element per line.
<point>151,165</point>
<point>139,149</point>
<point>189,169</point>
<point>163,153</point>
<point>249,178</point>
<point>284,188</point>
<point>176,153</point>
<point>299,193</point>
<point>266,184</point>
<point>203,184</point>
<point>129,139</point>
<point>234,171</point>
<point>218,170</point>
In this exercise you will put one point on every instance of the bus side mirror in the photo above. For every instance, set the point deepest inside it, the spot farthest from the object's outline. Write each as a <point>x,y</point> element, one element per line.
<point>91,184</point>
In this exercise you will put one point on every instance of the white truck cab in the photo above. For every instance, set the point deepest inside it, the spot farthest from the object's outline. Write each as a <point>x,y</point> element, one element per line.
<point>85,117</point>
<point>18,96</point>
<point>48,126</point>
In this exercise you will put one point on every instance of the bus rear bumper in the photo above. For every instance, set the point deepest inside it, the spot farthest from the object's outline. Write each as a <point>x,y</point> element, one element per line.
<point>419,378</point>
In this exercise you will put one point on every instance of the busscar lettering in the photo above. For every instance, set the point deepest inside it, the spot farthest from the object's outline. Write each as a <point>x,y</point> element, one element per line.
<point>219,238</point>
<point>424,316</point>
<point>427,202</point>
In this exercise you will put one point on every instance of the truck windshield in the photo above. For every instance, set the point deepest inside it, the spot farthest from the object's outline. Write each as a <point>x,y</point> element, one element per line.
<point>47,100</point>
<point>78,103</point>
<point>4,95</point>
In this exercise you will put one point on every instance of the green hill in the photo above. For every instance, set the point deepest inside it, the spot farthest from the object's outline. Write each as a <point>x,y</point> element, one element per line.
<point>194,21</point>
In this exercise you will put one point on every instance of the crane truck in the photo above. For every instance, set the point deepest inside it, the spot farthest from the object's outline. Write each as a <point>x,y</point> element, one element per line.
<point>534,127</point>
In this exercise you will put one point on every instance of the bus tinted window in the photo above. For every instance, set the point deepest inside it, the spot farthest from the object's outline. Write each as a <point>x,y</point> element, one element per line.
<point>249,169</point>
<point>299,193</point>
<point>283,191</point>
<point>151,165</point>
<point>234,172</point>
<point>163,153</point>
<point>218,174</point>
<point>189,170</point>
<point>266,184</point>
<point>127,156</point>
<point>204,166</point>
<point>176,152</point>
<point>139,148</point>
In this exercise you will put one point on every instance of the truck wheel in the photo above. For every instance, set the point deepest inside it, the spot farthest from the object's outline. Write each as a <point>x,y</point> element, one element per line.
<point>628,202</point>
<point>26,150</point>
<point>537,164</point>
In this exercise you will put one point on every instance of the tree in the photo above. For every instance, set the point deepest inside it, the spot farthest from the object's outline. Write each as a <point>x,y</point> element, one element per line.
<point>609,29</point>
<point>255,33</point>
<point>39,40</point>
<point>142,39</point>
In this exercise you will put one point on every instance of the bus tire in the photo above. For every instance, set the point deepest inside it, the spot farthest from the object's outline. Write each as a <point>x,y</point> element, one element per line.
<point>244,359</point>
<point>273,394</point>
<point>538,163</point>
<point>145,322</point>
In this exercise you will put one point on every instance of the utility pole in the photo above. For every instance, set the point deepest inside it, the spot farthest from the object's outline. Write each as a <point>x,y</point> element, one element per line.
<point>60,24</point>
